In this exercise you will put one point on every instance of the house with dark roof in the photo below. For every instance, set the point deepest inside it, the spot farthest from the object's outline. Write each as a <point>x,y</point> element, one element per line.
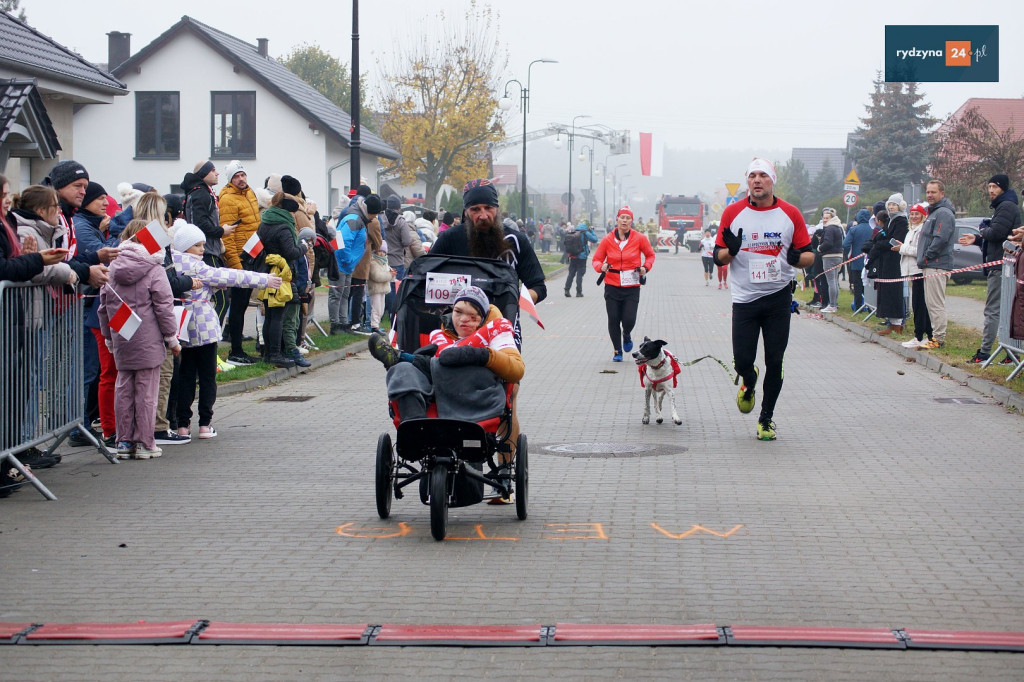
<point>198,93</point>
<point>41,84</point>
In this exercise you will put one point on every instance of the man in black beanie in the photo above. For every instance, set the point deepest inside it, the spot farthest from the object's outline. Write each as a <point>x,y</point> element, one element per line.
<point>994,231</point>
<point>203,211</point>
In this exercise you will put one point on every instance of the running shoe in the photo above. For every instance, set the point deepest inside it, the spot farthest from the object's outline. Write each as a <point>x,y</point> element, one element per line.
<point>210,432</point>
<point>617,357</point>
<point>745,397</point>
<point>242,359</point>
<point>142,452</point>
<point>170,438</point>
<point>913,343</point>
<point>125,449</point>
<point>627,343</point>
<point>830,309</point>
<point>766,429</point>
<point>383,351</point>
<point>979,357</point>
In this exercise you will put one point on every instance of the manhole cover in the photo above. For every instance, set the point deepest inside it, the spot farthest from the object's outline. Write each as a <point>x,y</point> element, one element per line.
<point>609,450</point>
<point>961,401</point>
<point>287,399</point>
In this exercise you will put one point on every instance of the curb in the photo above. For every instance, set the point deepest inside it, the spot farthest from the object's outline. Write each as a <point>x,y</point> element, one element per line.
<point>1006,397</point>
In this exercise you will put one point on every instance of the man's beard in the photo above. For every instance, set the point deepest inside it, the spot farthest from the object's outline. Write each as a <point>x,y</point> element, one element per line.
<point>486,238</point>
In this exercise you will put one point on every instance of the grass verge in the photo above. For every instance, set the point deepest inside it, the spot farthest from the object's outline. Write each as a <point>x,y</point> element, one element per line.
<point>240,373</point>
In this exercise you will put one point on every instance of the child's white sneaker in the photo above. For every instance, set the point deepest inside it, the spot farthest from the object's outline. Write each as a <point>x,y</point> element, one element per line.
<point>142,452</point>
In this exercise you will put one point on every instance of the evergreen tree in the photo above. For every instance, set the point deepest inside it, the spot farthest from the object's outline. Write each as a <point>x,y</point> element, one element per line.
<point>825,184</point>
<point>794,182</point>
<point>893,145</point>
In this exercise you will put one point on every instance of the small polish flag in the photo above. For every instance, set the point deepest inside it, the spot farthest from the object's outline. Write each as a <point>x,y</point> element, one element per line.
<point>526,305</point>
<point>125,322</point>
<point>337,243</point>
<point>182,315</point>
<point>253,246</point>
<point>154,237</point>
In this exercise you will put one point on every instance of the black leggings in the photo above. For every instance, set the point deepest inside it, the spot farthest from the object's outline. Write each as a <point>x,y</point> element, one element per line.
<point>621,304</point>
<point>768,316</point>
<point>236,316</point>
<point>922,323</point>
<point>709,264</point>
<point>197,362</point>
<point>273,331</point>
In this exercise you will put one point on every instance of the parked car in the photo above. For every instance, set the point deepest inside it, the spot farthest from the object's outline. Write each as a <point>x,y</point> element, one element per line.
<point>964,256</point>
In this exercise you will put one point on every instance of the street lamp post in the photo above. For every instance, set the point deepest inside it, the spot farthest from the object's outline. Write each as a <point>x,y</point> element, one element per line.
<point>572,137</point>
<point>590,202</point>
<point>505,103</point>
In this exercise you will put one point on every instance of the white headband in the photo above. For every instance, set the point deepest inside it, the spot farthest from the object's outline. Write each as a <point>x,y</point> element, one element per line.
<point>762,165</point>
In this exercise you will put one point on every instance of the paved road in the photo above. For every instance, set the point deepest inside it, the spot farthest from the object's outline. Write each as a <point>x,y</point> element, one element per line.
<point>877,507</point>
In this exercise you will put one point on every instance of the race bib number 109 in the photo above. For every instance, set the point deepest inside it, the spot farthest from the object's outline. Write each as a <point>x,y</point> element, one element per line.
<point>442,287</point>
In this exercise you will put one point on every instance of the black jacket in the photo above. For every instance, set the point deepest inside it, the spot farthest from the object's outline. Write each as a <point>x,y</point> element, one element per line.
<point>455,242</point>
<point>279,237</point>
<point>1005,219</point>
<point>201,210</point>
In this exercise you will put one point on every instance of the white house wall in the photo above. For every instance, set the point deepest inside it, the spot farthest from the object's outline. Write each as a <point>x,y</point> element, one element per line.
<point>285,144</point>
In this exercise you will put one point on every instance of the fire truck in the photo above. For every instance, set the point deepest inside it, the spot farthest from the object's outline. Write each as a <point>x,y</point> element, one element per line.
<point>685,212</point>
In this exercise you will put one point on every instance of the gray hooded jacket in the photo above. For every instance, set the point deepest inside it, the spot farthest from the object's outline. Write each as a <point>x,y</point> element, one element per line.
<point>935,246</point>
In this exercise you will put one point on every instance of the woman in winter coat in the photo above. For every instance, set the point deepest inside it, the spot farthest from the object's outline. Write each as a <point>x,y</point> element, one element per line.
<point>893,224</point>
<point>830,247</point>
<point>280,238</point>
<point>379,286</point>
<point>361,273</point>
<point>138,279</point>
<point>909,268</point>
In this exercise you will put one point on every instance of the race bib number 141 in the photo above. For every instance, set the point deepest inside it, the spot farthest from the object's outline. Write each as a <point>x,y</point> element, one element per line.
<point>442,287</point>
<point>765,270</point>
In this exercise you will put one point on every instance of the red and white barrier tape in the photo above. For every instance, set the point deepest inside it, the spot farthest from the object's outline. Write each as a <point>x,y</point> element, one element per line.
<point>944,273</point>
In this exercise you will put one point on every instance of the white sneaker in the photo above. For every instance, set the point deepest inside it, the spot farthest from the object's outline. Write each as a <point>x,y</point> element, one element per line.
<point>142,452</point>
<point>912,343</point>
<point>829,309</point>
<point>304,351</point>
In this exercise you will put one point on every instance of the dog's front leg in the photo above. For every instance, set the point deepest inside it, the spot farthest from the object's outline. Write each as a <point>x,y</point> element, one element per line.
<point>659,397</point>
<point>647,405</point>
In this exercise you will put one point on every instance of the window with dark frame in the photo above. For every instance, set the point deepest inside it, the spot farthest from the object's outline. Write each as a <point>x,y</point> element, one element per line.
<point>157,125</point>
<point>233,126</point>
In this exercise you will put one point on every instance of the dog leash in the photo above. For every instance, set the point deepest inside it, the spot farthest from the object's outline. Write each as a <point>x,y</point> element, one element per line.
<point>728,371</point>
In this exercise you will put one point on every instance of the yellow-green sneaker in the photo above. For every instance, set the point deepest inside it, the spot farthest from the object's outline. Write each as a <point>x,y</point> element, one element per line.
<point>766,429</point>
<point>745,398</point>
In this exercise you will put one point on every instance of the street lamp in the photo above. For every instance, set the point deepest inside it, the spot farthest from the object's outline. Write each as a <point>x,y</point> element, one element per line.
<point>572,137</point>
<point>505,103</point>
<point>590,198</point>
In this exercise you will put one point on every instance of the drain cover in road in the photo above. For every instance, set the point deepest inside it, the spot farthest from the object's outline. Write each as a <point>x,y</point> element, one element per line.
<point>609,450</point>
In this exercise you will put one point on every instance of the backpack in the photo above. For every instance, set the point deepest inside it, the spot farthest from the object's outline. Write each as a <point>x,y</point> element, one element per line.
<point>355,244</point>
<point>573,243</point>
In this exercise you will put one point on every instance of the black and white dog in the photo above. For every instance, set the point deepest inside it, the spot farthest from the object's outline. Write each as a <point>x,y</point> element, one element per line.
<point>657,368</point>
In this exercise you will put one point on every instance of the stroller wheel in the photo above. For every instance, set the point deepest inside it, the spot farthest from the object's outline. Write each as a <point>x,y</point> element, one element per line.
<point>385,475</point>
<point>439,501</point>
<point>522,476</point>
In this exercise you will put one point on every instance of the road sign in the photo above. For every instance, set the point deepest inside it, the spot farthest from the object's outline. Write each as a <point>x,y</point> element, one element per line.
<point>732,188</point>
<point>731,200</point>
<point>852,178</point>
<point>851,187</point>
<point>850,199</point>
<point>717,208</point>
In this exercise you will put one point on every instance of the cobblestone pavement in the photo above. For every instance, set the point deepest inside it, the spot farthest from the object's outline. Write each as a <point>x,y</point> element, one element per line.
<point>877,507</point>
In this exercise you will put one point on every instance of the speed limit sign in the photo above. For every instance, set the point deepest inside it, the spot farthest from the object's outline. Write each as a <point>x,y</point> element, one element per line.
<point>850,199</point>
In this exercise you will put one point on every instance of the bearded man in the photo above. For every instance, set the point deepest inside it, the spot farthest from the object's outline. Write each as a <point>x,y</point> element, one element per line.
<point>481,235</point>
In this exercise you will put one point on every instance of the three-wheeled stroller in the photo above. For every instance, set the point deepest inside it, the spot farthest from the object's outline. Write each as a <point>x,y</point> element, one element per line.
<point>447,456</point>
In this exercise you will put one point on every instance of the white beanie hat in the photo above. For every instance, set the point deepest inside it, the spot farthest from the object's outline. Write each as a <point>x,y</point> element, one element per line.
<point>128,194</point>
<point>233,169</point>
<point>763,165</point>
<point>186,236</point>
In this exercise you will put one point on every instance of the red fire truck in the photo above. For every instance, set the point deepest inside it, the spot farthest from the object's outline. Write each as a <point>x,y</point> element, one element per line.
<point>687,213</point>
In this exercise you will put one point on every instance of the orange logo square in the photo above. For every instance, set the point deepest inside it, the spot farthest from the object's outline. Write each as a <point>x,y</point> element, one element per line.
<point>958,53</point>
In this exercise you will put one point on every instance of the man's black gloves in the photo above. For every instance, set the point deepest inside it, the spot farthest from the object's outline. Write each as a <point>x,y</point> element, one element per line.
<point>793,256</point>
<point>733,242</point>
<point>461,356</point>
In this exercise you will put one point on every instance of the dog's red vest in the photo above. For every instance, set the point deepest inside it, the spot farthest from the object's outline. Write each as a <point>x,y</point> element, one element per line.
<point>676,369</point>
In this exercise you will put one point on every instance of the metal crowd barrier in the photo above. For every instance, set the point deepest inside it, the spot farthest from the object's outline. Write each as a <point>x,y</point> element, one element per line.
<point>43,397</point>
<point>1013,348</point>
<point>870,296</point>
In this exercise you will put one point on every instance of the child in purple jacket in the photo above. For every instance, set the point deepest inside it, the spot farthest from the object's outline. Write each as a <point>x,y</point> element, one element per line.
<point>199,352</point>
<point>138,279</point>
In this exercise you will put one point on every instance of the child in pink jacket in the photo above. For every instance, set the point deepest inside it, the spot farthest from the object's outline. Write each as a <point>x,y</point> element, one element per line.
<point>138,279</point>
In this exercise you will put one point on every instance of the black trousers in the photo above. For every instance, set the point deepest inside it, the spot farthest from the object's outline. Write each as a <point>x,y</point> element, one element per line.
<point>357,299</point>
<point>922,322</point>
<point>273,331</point>
<point>236,316</point>
<point>621,304</point>
<point>197,362</point>
<point>577,266</point>
<point>858,287</point>
<point>768,317</point>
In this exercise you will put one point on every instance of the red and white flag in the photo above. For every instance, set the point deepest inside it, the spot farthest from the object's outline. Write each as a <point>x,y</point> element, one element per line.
<point>253,246</point>
<point>182,315</point>
<point>338,243</point>
<point>154,237</point>
<point>652,153</point>
<point>527,306</point>
<point>125,322</point>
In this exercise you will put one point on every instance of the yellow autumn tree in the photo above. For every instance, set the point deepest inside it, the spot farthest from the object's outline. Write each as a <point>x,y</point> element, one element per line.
<point>439,101</point>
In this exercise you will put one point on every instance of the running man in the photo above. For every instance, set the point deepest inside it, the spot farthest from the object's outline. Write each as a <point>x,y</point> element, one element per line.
<point>707,256</point>
<point>767,240</point>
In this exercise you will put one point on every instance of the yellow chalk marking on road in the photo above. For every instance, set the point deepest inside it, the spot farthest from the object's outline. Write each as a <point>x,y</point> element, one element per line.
<point>593,531</point>
<point>480,535</point>
<point>696,529</point>
<point>403,530</point>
